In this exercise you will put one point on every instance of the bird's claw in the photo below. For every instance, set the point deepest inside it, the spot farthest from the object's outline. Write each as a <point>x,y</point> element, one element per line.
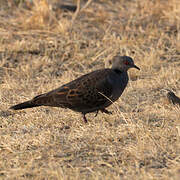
<point>103,111</point>
<point>106,111</point>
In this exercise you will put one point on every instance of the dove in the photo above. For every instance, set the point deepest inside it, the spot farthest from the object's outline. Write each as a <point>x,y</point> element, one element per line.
<point>92,92</point>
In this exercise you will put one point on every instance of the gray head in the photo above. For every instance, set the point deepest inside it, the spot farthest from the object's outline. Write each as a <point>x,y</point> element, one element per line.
<point>123,63</point>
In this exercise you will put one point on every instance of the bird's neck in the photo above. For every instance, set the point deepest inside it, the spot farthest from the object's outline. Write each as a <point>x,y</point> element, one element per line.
<point>118,71</point>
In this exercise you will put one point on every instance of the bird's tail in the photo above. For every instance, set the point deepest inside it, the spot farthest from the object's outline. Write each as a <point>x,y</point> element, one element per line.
<point>24,105</point>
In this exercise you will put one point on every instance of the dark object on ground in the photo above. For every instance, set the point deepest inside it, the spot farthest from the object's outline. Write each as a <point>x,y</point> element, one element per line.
<point>173,98</point>
<point>71,8</point>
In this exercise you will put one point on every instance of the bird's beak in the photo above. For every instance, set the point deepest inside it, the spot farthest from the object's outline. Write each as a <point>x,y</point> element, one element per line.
<point>134,66</point>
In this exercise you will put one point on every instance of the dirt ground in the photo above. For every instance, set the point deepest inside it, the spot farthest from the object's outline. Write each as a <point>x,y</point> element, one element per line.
<point>42,47</point>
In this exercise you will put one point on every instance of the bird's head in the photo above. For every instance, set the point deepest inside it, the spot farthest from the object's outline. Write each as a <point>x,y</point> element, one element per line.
<point>123,63</point>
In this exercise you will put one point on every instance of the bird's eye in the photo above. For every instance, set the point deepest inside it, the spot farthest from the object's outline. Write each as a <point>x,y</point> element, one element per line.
<point>126,62</point>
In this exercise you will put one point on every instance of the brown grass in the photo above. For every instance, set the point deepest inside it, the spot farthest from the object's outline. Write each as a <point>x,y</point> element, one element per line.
<point>42,48</point>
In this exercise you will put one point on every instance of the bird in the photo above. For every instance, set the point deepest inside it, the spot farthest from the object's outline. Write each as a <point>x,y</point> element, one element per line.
<point>173,98</point>
<point>92,92</point>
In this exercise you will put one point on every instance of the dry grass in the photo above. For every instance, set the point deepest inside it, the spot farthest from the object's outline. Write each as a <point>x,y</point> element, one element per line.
<point>42,48</point>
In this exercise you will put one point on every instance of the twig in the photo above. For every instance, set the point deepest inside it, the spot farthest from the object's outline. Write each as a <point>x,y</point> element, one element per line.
<point>76,12</point>
<point>80,10</point>
<point>86,5</point>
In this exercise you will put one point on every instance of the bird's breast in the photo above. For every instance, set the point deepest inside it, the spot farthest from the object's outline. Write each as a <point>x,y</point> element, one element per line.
<point>119,83</point>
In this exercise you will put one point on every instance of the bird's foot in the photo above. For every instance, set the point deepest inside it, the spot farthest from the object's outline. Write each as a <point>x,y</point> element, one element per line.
<point>84,117</point>
<point>106,111</point>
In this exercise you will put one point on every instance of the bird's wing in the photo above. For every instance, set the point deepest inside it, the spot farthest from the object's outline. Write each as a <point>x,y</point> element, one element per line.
<point>87,91</point>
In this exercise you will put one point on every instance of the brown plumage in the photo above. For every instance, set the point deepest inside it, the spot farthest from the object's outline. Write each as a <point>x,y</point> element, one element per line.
<point>92,92</point>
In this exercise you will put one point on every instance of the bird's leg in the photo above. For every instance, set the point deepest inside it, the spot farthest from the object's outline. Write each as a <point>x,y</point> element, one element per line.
<point>96,113</point>
<point>84,117</point>
<point>106,111</point>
